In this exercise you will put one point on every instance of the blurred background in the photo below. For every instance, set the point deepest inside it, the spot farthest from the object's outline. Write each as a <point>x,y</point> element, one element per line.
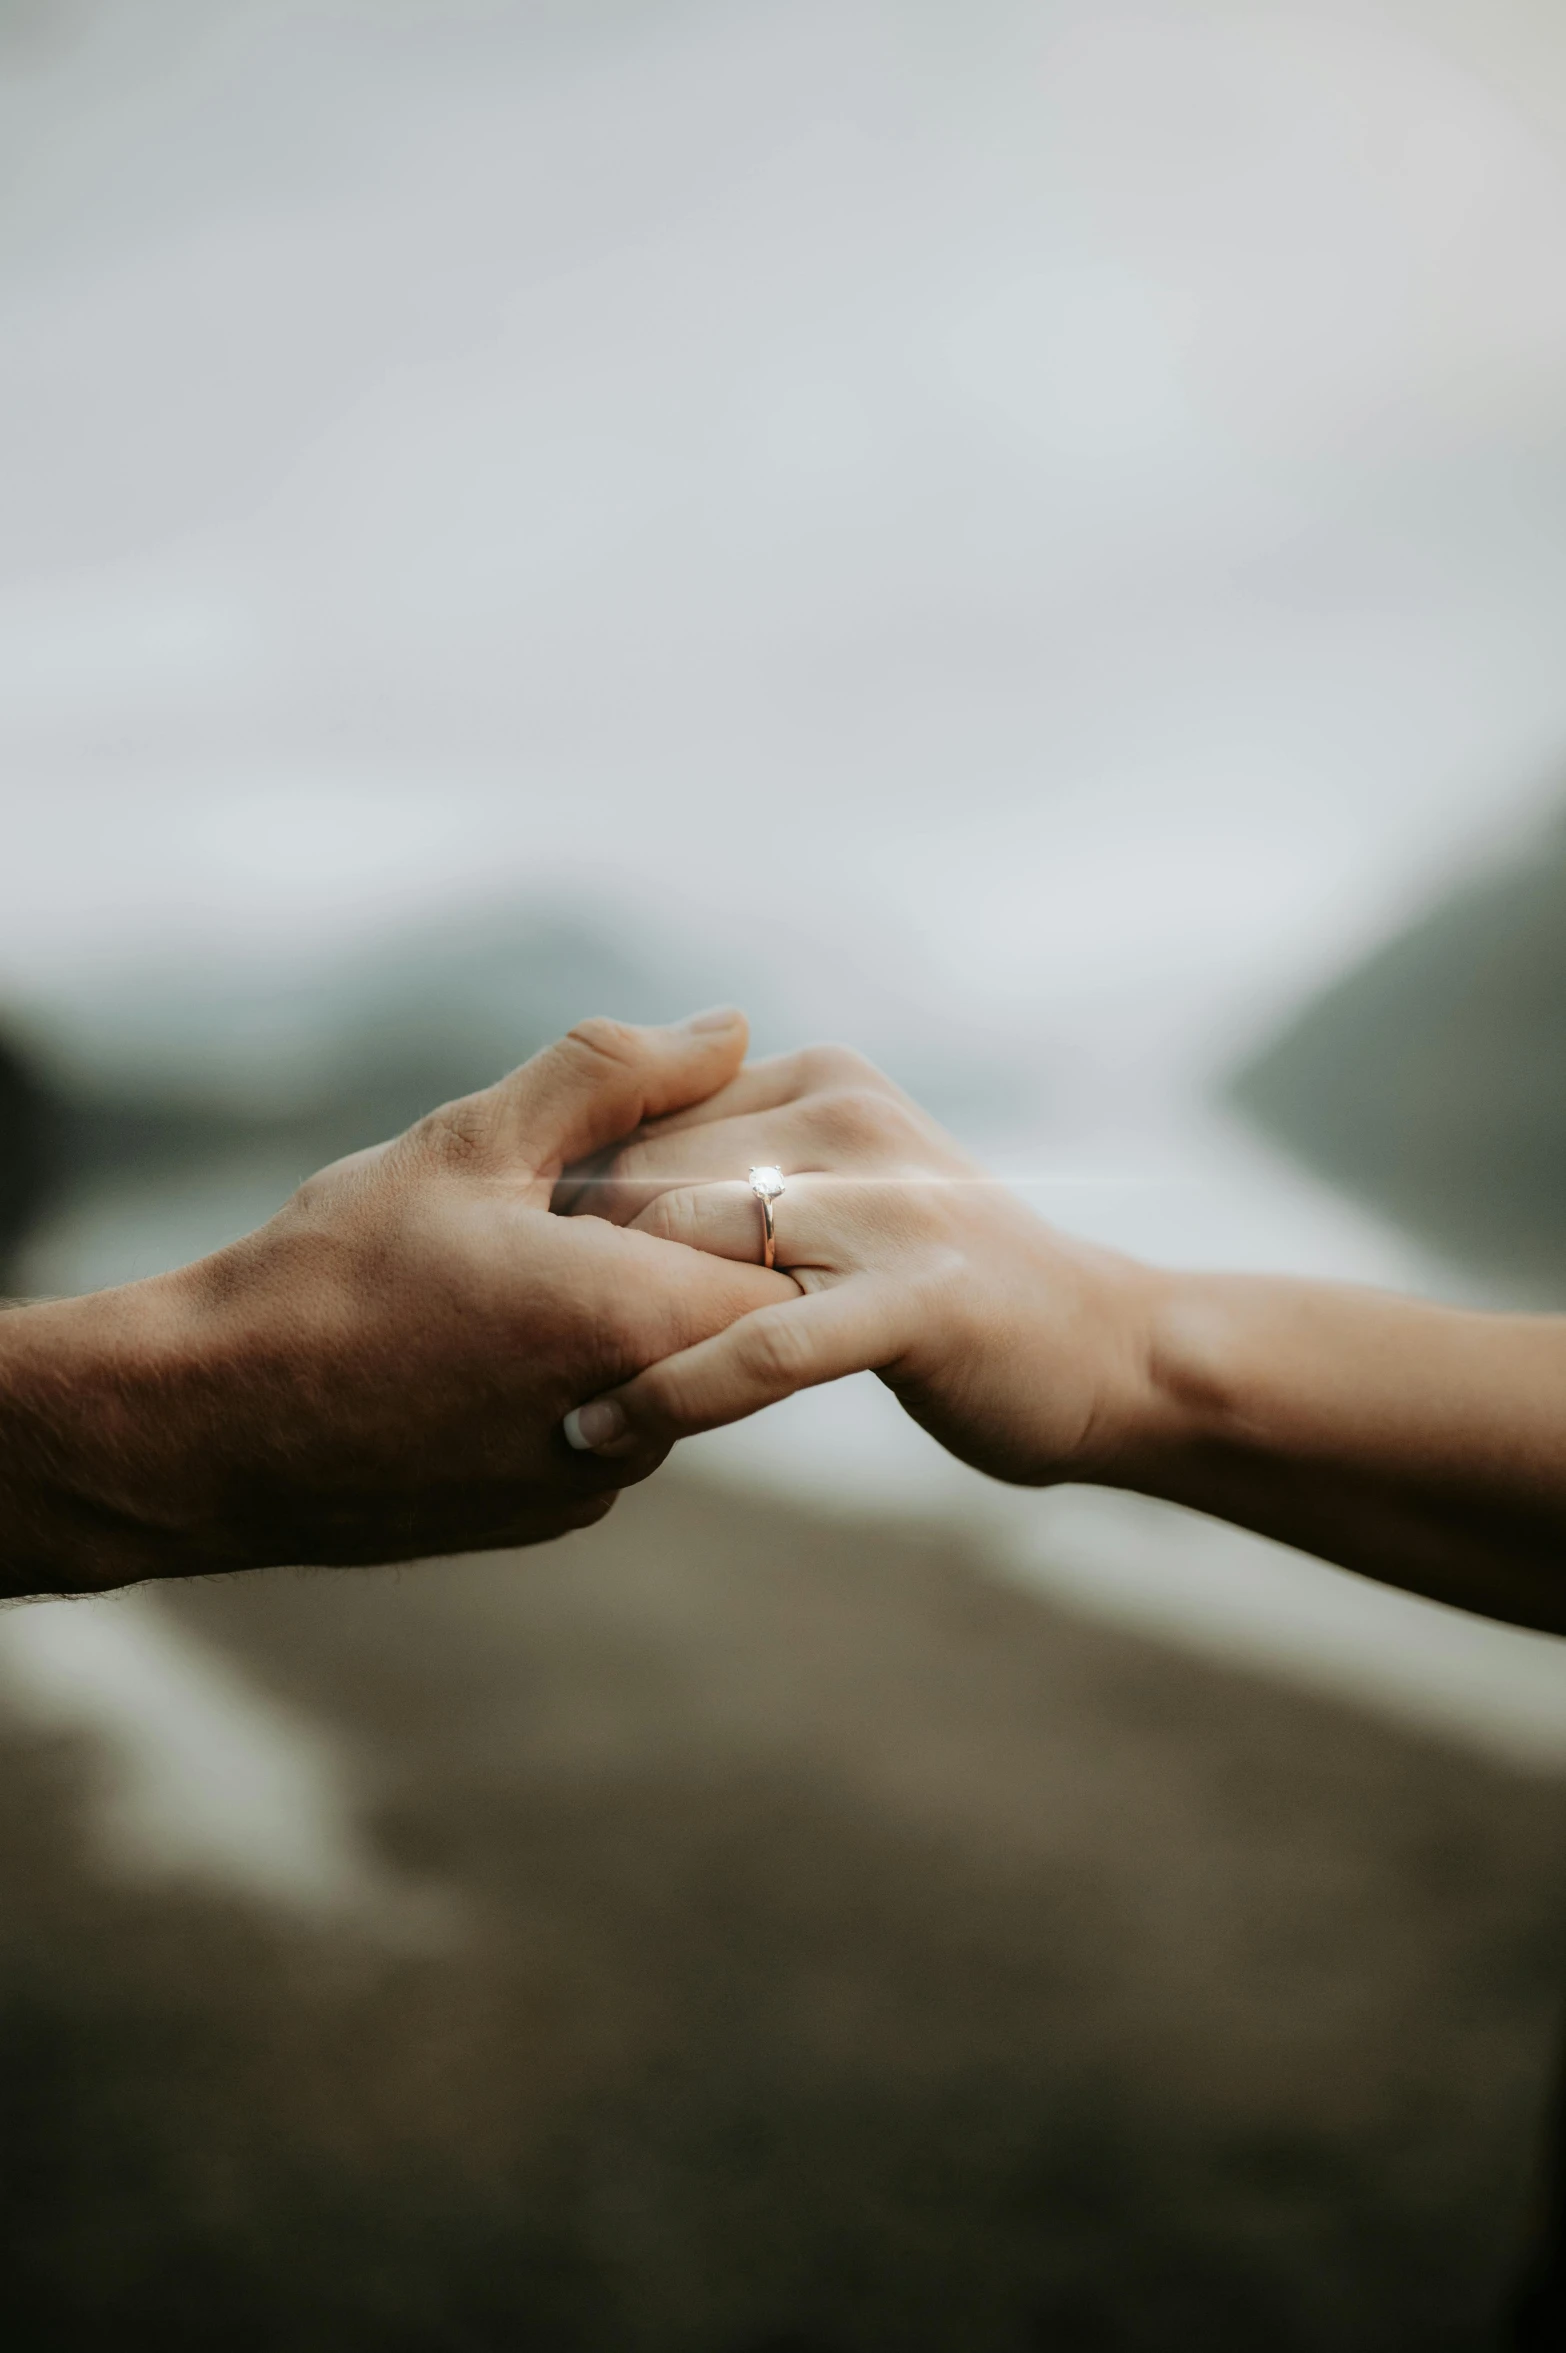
<point>1029,536</point>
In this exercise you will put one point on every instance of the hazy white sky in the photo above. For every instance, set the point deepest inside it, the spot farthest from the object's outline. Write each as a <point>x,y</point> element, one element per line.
<point>1070,494</point>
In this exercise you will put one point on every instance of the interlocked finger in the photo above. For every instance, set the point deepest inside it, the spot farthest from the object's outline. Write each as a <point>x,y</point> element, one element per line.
<point>726,1221</point>
<point>855,1132</point>
<point>784,1079</point>
<point>600,1081</point>
<point>696,1156</point>
<point>825,1225</point>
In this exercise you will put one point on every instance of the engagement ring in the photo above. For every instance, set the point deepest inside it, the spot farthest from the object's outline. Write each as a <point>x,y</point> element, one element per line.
<point>767,1184</point>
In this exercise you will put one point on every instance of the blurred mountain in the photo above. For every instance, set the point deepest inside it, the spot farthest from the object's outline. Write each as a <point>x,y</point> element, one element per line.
<point>163,1067</point>
<point>158,1066</point>
<point>200,1094</point>
<point>1432,1079</point>
<point>188,1100</point>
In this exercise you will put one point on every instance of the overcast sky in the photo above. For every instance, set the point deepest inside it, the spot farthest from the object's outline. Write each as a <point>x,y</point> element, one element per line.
<point>1061,503</point>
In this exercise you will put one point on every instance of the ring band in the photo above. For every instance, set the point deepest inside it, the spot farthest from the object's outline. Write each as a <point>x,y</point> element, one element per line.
<point>767,1184</point>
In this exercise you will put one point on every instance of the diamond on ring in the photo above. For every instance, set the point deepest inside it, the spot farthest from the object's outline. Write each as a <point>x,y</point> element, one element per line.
<point>766,1183</point>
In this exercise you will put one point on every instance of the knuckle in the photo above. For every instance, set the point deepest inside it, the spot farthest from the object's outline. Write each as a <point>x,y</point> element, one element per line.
<point>458,1136</point>
<point>830,1069</point>
<point>318,1192</point>
<point>671,1218</point>
<point>929,1208</point>
<point>327,1188</point>
<point>855,1119</point>
<point>779,1351</point>
<point>600,1040</point>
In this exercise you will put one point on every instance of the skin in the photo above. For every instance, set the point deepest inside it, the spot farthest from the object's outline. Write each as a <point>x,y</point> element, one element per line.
<point>1417,1444</point>
<point>379,1373</point>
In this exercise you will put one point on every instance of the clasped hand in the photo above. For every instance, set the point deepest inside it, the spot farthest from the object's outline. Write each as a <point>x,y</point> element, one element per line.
<point>475,1334</point>
<point>1019,1349</point>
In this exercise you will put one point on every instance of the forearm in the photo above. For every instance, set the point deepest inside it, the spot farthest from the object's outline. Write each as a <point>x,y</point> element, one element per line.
<point>99,1403</point>
<point>1416,1444</point>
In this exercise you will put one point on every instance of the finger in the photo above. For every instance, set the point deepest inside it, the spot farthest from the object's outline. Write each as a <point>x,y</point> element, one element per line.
<point>774,1085</point>
<point>725,1221</point>
<point>785,1082</point>
<point>855,1131</point>
<point>855,1327</point>
<point>729,1149</point>
<point>782,1079</point>
<point>600,1081</point>
<point>819,1222</point>
<point>641,1298</point>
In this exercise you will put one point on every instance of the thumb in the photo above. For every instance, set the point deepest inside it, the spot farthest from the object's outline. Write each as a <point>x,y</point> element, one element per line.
<point>605,1077</point>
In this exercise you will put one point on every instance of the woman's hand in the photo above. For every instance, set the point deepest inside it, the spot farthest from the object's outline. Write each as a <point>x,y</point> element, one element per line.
<point>1022,1351</point>
<point>1414,1443</point>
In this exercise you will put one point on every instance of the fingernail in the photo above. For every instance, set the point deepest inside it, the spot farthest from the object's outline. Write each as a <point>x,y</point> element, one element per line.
<point>715,1017</point>
<point>589,1427</point>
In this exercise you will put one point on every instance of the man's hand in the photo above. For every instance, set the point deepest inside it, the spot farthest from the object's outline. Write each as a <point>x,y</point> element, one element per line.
<point>381,1372</point>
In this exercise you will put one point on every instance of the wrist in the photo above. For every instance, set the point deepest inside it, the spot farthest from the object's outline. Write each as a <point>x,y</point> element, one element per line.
<point>1070,1387</point>
<point>1191,1387</point>
<point>98,1409</point>
<point>1131,1411</point>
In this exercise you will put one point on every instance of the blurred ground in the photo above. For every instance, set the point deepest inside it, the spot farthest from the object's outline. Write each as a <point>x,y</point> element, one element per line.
<point>839,1950</point>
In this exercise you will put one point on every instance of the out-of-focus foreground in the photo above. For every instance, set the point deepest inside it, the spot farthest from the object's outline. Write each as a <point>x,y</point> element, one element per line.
<point>784,1935</point>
